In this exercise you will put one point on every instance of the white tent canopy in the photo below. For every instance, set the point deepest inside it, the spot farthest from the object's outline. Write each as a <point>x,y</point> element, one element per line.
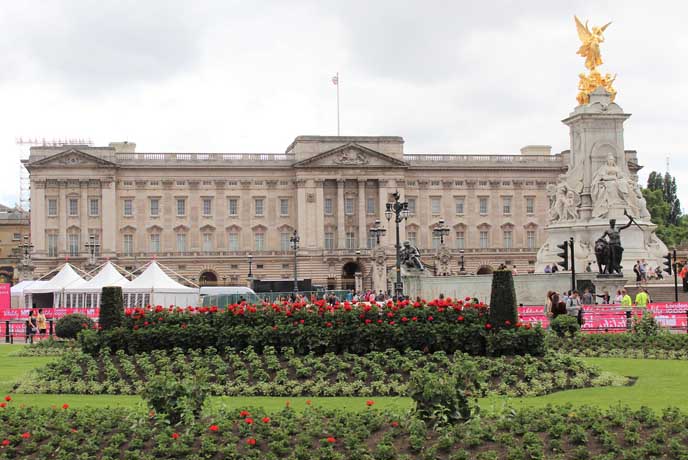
<point>155,287</point>
<point>86,294</point>
<point>55,286</point>
<point>17,292</point>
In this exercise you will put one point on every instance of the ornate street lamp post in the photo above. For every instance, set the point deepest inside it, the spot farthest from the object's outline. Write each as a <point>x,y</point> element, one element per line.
<point>294,240</point>
<point>92,247</point>
<point>441,230</point>
<point>399,210</point>
<point>26,247</point>
<point>377,231</point>
<point>250,271</point>
<point>462,269</point>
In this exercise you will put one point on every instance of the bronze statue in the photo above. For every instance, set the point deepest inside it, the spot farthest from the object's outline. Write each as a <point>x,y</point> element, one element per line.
<point>410,256</point>
<point>610,249</point>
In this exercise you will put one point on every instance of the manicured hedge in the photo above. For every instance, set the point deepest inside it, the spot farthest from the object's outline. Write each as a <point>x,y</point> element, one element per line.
<point>626,345</point>
<point>547,433</point>
<point>447,326</point>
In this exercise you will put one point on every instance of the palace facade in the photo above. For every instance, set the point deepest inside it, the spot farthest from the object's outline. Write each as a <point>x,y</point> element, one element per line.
<point>203,214</point>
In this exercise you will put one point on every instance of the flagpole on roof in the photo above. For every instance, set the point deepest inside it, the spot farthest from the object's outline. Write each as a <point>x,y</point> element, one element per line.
<point>335,80</point>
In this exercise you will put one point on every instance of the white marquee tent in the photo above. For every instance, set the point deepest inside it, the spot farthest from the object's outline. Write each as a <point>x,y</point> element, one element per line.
<point>154,287</point>
<point>86,294</point>
<point>50,293</point>
<point>18,296</point>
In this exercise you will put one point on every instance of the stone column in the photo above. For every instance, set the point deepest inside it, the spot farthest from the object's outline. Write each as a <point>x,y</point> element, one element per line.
<point>362,227</point>
<point>319,214</point>
<point>38,216</point>
<point>383,199</point>
<point>341,243</point>
<point>302,213</point>
<point>109,212</point>
<point>83,216</point>
<point>63,209</point>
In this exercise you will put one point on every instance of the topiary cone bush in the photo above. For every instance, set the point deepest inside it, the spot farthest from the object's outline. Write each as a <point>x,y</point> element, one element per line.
<point>69,326</point>
<point>111,307</point>
<point>503,309</point>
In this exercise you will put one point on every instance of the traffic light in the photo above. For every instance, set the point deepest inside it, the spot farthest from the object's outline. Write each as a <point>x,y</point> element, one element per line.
<point>668,263</point>
<point>564,255</point>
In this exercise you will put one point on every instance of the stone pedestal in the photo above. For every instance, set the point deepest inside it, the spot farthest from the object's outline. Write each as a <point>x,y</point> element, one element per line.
<point>25,272</point>
<point>609,284</point>
<point>358,282</point>
<point>379,271</point>
<point>601,183</point>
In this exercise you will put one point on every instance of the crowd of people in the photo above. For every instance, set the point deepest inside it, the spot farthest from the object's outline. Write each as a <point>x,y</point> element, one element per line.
<point>572,302</point>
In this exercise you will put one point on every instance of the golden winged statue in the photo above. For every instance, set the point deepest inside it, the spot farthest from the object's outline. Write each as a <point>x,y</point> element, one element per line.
<point>590,50</point>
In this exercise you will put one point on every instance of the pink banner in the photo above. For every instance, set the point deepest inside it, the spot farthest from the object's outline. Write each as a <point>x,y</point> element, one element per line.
<point>5,296</point>
<point>14,314</point>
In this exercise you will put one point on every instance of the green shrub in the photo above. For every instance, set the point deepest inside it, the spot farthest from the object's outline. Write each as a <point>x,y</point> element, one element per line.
<point>565,325</point>
<point>441,399</point>
<point>111,307</point>
<point>516,341</point>
<point>177,400</point>
<point>646,324</point>
<point>503,307</point>
<point>69,326</point>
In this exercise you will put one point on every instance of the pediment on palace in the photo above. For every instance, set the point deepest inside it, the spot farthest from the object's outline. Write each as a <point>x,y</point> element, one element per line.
<point>351,155</point>
<point>72,158</point>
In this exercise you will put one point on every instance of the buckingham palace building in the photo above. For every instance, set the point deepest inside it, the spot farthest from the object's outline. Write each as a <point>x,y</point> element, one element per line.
<point>203,214</point>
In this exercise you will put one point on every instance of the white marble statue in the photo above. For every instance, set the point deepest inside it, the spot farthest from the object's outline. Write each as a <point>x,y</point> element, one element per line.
<point>609,188</point>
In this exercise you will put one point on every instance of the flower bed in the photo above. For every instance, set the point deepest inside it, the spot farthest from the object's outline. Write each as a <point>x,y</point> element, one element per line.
<point>661,346</point>
<point>285,374</point>
<point>319,328</point>
<point>552,432</point>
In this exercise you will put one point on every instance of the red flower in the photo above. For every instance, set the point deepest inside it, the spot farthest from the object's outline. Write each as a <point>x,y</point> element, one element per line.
<point>266,419</point>
<point>65,406</point>
<point>390,315</point>
<point>430,318</point>
<point>507,322</point>
<point>415,318</point>
<point>5,442</point>
<point>404,319</point>
<point>136,327</point>
<point>26,435</point>
<point>331,440</point>
<point>528,326</point>
<point>175,435</point>
<point>308,402</point>
<point>8,398</point>
<point>251,441</point>
<point>392,323</point>
<point>244,413</point>
<point>460,318</point>
<point>370,402</point>
<point>394,424</point>
<point>214,428</point>
<point>3,405</point>
<point>249,421</point>
<point>488,326</point>
<point>368,321</point>
<point>328,324</point>
<point>302,321</point>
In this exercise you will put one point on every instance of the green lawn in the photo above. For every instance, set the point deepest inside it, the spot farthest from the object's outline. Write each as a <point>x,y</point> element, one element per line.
<point>660,384</point>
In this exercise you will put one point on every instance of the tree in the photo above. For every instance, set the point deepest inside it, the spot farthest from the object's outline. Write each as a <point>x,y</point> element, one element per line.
<point>665,209</point>
<point>111,307</point>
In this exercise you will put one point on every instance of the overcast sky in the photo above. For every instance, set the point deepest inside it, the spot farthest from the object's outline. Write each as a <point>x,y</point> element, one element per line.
<point>230,76</point>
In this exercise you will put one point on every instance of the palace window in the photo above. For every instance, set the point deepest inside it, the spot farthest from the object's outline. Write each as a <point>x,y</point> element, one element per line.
<point>181,207</point>
<point>483,205</point>
<point>233,241</point>
<point>349,206</point>
<point>207,207</point>
<point>350,240</point>
<point>460,205</point>
<point>371,241</point>
<point>370,206</point>
<point>284,206</point>
<point>52,207</point>
<point>530,205</point>
<point>460,242</point>
<point>412,237</point>
<point>259,206</point>
<point>436,205</point>
<point>259,240</point>
<point>328,206</point>
<point>207,242</point>
<point>128,245</point>
<point>531,239</point>
<point>506,205</point>
<point>154,207</point>
<point>329,240</point>
<point>73,206</point>
<point>52,245</point>
<point>73,243</point>
<point>508,239</point>
<point>128,210</point>
<point>284,241</point>
<point>181,242</point>
<point>155,243</point>
<point>435,241</point>
<point>411,205</point>
<point>94,207</point>
<point>233,206</point>
<point>484,239</point>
